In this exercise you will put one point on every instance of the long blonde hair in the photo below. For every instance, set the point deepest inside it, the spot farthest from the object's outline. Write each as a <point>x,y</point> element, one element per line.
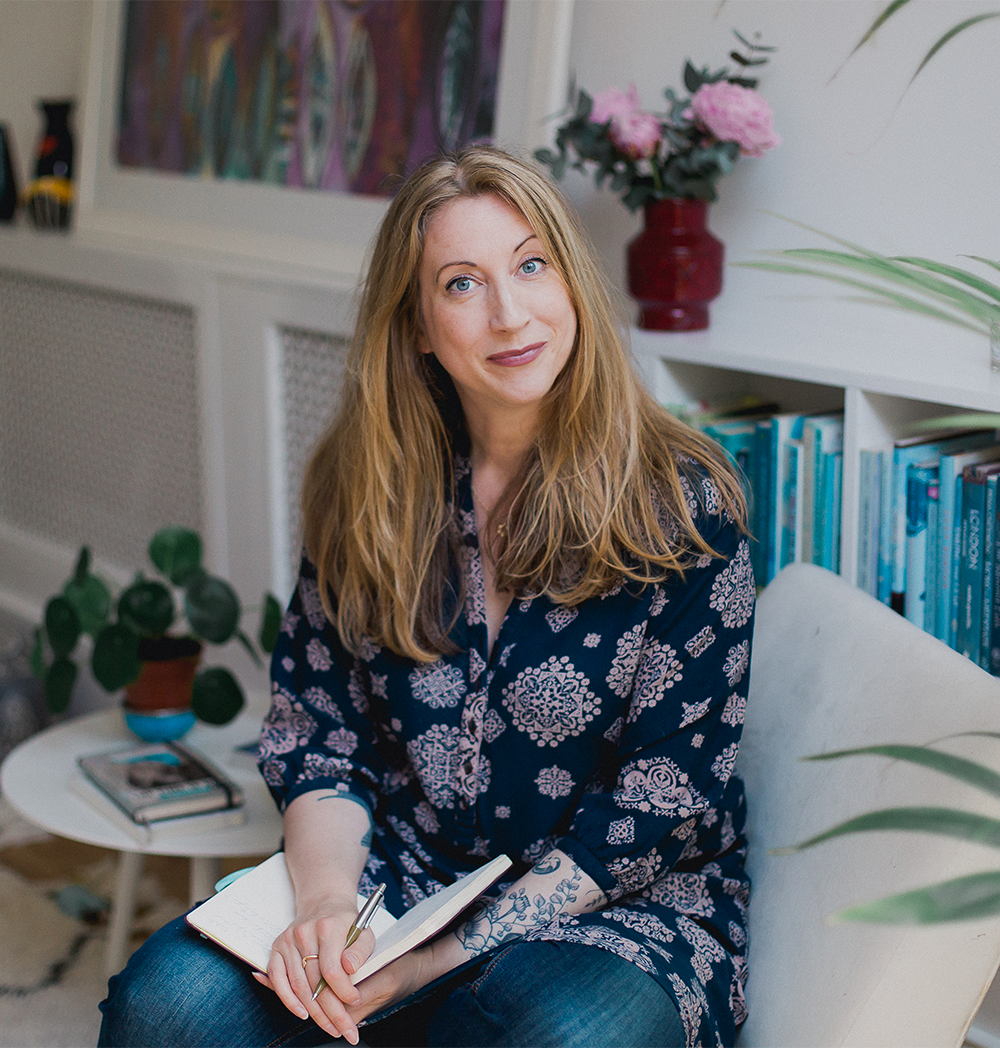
<point>600,497</point>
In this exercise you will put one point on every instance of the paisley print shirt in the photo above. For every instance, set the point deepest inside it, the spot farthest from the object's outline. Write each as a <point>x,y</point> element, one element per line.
<point>609,730</point>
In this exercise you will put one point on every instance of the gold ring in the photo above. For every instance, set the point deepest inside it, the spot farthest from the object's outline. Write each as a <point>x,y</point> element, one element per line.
<point>311,957</point>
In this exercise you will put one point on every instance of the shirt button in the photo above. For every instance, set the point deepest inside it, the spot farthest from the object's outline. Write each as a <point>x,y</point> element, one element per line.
<point>463,804</point>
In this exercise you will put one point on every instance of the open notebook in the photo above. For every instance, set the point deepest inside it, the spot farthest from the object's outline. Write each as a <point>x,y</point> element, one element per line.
<point>248,915</point>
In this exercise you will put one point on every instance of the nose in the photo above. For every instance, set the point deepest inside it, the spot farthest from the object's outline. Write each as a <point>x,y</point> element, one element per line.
<point>509,311</point>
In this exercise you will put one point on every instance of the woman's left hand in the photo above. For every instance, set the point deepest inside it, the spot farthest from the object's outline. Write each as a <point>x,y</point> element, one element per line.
<point>391,984</point>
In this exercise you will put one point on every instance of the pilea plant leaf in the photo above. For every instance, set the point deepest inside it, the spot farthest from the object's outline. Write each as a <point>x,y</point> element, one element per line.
<point>176,552</point>
<point>62,626</point>
<point>270,624</point>
<point>147,607</point>
<point>92,601</point>
<point>115,661</point>
<point>212,608</point>
<point>216,696</point>
<point>59,680</point>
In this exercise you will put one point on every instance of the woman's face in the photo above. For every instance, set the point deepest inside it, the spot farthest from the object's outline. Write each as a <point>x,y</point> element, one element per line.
<point>495,313</point>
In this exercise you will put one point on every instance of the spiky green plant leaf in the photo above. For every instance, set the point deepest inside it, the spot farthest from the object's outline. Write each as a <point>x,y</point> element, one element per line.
<point>947,822</point>
<point>960,768</point>
<point>974,896</point>
<point>951,34</point>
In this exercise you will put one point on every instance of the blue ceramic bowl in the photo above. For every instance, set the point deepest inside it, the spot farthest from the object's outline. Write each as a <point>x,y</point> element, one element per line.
<point>159,725</point>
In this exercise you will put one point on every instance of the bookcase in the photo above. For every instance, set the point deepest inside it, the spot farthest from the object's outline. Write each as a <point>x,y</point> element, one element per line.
<point>883,368</point>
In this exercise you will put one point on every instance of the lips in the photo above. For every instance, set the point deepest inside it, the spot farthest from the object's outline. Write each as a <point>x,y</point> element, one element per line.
<point>516,357</point>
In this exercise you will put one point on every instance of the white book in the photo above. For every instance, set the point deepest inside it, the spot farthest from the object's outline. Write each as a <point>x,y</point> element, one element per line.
<point>147,833</point>
<point>250,913</point>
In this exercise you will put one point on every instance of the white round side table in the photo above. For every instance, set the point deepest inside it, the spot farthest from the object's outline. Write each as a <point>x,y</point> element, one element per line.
<point>35,779</point>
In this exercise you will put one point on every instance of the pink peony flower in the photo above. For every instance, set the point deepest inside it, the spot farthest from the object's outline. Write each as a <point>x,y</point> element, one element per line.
<point>735,114</point>
<point>614,102</point>
<point>636,134</point>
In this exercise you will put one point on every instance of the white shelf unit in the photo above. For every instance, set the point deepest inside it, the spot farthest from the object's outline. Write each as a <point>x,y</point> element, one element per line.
<point>885,369</point>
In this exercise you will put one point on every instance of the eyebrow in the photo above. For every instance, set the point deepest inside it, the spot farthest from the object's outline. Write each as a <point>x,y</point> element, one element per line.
<point>448,265</point>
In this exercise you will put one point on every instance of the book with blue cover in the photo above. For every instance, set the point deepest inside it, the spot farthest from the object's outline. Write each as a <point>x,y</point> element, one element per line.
<point>920,478</point>
<point>970,571</point>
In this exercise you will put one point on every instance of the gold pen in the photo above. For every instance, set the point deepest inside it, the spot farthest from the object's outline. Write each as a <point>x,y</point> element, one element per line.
<point>361,922</point>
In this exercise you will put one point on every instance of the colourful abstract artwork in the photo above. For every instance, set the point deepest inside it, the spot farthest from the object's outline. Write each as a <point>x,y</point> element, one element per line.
<point>331,94</point>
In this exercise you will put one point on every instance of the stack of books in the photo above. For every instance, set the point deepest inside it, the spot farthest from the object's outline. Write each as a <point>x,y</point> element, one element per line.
<point>158,790</point>
<point>928,542</point>
<point>792,465</point>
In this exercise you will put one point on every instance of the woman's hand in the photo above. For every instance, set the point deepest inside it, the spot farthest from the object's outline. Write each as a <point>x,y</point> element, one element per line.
<point>318,939</point>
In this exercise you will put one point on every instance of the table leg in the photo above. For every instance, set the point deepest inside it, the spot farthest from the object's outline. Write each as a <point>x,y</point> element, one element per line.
<point>122,910</point>
<point>205,872</point>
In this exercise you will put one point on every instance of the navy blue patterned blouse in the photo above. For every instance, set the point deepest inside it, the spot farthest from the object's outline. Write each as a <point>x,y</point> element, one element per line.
<point>608,730</point>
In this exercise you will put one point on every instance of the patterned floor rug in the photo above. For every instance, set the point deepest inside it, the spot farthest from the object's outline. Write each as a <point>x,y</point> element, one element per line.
<point>54,931</point>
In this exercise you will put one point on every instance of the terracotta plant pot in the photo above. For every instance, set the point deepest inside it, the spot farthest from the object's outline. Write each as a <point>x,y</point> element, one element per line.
<point>675,266</point>
<point>158,703</point>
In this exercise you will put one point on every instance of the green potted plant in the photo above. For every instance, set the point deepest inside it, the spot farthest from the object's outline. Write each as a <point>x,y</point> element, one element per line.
<point>148,638</point>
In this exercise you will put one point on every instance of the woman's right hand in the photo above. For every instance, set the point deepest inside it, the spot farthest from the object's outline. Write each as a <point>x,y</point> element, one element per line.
<point>318,937</point>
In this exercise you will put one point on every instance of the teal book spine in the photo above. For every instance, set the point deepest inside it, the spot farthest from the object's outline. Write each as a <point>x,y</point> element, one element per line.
<point>763,504</point>
<point>970,573</point>
<point>958,533</point>
<point>791,531</point>
<point>993,663</point>
<point>989,577</point>
<point>919,478</point>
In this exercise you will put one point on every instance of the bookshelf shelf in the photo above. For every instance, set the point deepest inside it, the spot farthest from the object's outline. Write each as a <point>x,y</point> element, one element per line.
<point>885,369</point>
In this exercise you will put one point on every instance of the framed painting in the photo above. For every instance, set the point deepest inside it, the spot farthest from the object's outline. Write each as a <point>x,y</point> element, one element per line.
<point>274,130</point>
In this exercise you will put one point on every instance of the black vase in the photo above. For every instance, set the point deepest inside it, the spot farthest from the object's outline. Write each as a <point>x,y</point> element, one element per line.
<point>50,194</point>
<point>8,180</point>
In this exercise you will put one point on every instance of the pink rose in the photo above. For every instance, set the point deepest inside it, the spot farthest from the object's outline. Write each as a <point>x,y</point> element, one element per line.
<point>614,102</point>
<point>735,114</point>
<point>636,134</point>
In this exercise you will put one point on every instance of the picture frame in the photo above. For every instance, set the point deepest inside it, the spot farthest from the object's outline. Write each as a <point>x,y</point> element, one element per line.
<point>321,232</point>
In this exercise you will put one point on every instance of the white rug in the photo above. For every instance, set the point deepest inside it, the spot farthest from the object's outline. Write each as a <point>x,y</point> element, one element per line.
<point>52,975</point>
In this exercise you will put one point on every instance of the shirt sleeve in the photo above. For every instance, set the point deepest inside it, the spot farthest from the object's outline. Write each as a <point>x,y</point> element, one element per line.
<point>668,783</point>
<point>317,734</point>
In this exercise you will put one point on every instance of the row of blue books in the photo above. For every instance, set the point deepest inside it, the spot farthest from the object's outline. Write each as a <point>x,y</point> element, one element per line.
<point>928,536</point>
<point>792,464</point>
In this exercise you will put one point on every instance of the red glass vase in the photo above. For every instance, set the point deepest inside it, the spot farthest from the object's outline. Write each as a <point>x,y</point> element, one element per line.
<point>674,266</point>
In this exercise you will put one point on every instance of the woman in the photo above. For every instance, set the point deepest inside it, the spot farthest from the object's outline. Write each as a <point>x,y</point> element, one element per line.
<point>523,625</point>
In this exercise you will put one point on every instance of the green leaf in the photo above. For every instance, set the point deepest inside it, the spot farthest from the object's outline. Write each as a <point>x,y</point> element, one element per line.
<point>91,599</point>
<point>953,32</point>
<point>270,623</point>
<point>62,626</point>
<point>961,275</point>
<point>985,261</point>
<point>216,697</point>
<point>905,302</point>
<point>36,658</point>
<point>974,896</point>
<point>147,607</point>
<point>948,822</point>
<point>82,569</point>
<point>882,18</point>
<point>176,552</point>
<point>212,608</point>
<point>250,649</point>
<point>59,681</point>
<point>115,661</point>
<point>886,269</point>
<point>959,768</point>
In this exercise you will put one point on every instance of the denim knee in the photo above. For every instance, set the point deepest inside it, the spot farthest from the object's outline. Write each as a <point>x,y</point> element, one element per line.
<point>179,991</point>
<point>563,995</point>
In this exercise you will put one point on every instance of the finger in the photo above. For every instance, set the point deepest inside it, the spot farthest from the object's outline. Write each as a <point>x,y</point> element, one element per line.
<point>277,974</point>
<point>359,951</point>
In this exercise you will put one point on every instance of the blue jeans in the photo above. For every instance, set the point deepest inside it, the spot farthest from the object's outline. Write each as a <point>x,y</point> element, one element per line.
<point>182,991</point>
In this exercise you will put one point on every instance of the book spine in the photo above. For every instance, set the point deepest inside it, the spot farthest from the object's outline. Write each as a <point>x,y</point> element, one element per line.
<point>958,535</point>
<point>994,637</point>
<point>989,541</point>
<point>971,568</point>
<point>791,533</point>
<point>836,464</point>
<point>917,480</point>
<point>812,442</point>
<point>765,502</point>
<point>931,558</point>
<point>869,483</point>
<point>885,530</point>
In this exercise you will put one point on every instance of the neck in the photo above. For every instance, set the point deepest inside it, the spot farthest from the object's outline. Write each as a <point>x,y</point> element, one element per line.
<point>498,449</point>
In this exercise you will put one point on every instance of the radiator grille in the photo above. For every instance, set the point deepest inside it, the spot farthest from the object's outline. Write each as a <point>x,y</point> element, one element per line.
<point>98,415</point>
<point>312,377</point>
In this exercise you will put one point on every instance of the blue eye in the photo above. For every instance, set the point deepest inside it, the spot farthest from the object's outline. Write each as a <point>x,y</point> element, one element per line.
<point>531,266</point>
<point>460,284</point>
